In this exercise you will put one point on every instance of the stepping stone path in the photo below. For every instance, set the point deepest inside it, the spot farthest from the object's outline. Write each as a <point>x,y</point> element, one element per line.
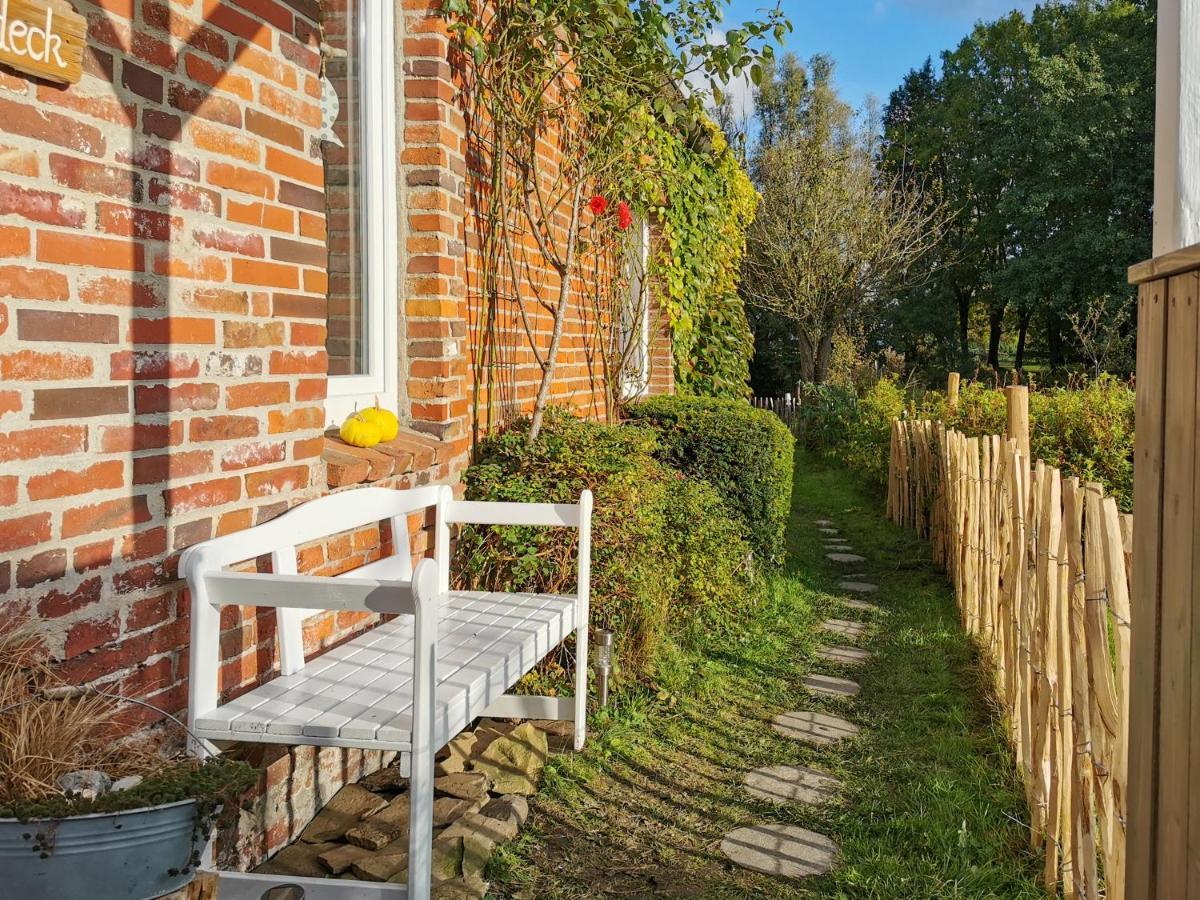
<point>858,587</point>
<point>844,628</point>
<point>786,850</point>
<point>829,686</point>
<point>843,656</point>
<point>820,729</point>
<point>792,784</point>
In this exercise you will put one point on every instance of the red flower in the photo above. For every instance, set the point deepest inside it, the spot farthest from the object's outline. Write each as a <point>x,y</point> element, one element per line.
<point>624,215</point>
<point>598,205</point>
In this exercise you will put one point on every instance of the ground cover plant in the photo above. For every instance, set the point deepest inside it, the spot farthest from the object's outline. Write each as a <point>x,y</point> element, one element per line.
<point>931,808</point>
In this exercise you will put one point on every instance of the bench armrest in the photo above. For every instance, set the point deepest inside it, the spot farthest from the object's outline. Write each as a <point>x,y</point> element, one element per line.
<point>310,592</point>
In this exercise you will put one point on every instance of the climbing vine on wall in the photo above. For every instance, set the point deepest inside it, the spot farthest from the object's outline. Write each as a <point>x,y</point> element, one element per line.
<point>703,202</point>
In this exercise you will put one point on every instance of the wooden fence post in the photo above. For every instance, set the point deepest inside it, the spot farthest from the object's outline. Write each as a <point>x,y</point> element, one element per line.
<point>952,384</point>
<point>1018,417</point>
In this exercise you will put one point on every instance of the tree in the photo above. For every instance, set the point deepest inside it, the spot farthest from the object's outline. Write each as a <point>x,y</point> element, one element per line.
<point>831,238</point>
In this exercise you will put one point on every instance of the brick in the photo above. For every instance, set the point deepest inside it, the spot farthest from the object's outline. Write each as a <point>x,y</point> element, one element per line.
<point>127,438</point>
<point>247,456</point>
<point>14,241</point>
<point>45,566</point>
<point>204,104</point>
<point>189,533</point>
<point>307,335</point>
<point>184,196</point>
<point>223,428</point>
<point>33,365</point>
<point>145,224</point>
<point>201,496</point>
<point>24,531</point>
<point>192,267</point>
<point>96,178</point>
<point>226,142</point>
<point>174,398</point>
<point>261,215</point>
<point>59,603</point>
<point>226,18</point>
<point>159,158</point>
<point>153,365</point>
<point>10,402</point>
<point>295,168</point>
<point>223,79</point>
<point>237,520</point>
<point>265,274</point>
<point>219,300</point>
<point>85,250</point>
<point>41,206</point>
<point>19,162</point>
<point>299,362</point>
<point>116,291</point>
<point>311,389</point>
<point>79,402</point>
<point>8,489</point>
<point>303,419</point>
<point>291,194</point>
<point>307,449</point>
<point>120,513</point>
<point>172,330</point>
<point>171,466</point>
<point>239,242</point>
<point>64,131</point>
<point>237,335</point>
<point>33,284</point>
<point>68,482</point>
<point>142,81</point>
<point>144,544</point>
<point>161,124</point>
<point>148,612</point>
<point>60,327</point>
<point>297,306</point>
<point>267,393</point>
<point>237,178</point>
<point>316,281</point>
<point>88,635</point>
<point>286,480</point>
<point>306,254</point>
<point>274,129</point>
<point>33,443</point>
<point>87,557</point>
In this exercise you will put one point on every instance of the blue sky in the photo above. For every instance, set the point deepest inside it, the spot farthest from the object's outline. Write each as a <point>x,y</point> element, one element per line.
<point>876,41</point>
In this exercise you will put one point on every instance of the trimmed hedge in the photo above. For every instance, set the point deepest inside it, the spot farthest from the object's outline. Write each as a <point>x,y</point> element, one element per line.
<point>668,557</point>
<point>743,452</point>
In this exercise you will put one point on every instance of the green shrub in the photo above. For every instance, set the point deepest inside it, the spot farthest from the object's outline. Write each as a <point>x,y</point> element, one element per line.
<point>825,415</point>
<point>743,452</point>
<point>668,559</point>
<point>868,437</point>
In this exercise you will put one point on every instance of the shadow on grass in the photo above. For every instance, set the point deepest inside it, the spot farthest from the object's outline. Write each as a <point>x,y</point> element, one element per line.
<point>929,805</point>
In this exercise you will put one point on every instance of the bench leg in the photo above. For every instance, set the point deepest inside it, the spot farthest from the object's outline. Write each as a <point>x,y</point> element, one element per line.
<point>420,826</point>
<point>581,686</point>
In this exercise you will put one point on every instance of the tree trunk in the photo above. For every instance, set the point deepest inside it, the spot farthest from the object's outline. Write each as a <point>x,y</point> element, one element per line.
<point>824,357</point>
<point>808,357</point>
<point>995,333</point>
<point>964,324</point>
<point>1022,335</point>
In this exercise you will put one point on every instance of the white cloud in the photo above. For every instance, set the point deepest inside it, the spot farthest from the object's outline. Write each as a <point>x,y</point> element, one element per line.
<point>958,9</point>
<point>740,90</point>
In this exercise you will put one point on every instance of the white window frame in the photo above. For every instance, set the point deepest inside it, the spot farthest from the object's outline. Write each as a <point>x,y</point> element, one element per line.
<point>377,219</point>
<point>635,368</point>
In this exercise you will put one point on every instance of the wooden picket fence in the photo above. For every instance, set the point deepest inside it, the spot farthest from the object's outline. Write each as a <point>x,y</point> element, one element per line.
<point>786,407</point>
<point>1041,568</point>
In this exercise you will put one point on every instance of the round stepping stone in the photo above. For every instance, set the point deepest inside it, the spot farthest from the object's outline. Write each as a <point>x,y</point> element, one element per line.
<point>858,575</point>
<point>862,606</point>
<point>816,728</point>
<point>829,531</point>
<point>792,784</point>
<point>824,523</point>
<point>844,627</point>
<point>858,587</point>
<point>846,558</point>
<point>829,686</point>
<point>839,548</point>
<point>846,656</point>
<point>786,850</point>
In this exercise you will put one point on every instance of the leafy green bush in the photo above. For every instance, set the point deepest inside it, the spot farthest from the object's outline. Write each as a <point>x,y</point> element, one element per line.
<point>868,437</point>
<point>825,415</point>
<point>743,452</point>
<point>668,559</point>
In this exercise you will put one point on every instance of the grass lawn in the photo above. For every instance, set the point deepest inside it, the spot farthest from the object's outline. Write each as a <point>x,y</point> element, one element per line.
<point>930,805</point>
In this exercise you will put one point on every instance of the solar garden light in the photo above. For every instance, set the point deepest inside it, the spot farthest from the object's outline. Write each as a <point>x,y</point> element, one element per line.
<point>603,664</point>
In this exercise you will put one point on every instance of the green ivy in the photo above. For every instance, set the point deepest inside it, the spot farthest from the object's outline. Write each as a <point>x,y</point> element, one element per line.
<point>703,202</point>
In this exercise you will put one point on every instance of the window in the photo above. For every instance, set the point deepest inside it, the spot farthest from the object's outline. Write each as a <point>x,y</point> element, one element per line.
<point>360,190</point>
<point>635,316</point>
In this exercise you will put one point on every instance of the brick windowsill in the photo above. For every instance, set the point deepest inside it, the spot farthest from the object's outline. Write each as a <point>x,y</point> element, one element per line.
<point>346,465</point>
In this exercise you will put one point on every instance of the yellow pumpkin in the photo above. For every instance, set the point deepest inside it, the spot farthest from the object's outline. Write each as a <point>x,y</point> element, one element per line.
<point>359,431</point>
<point>389,425</point>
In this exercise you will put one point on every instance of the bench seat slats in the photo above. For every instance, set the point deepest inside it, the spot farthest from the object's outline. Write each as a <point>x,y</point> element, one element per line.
<point>362,689</point>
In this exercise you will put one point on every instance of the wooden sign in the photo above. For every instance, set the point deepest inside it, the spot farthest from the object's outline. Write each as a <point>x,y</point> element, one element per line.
<point>43,38</point>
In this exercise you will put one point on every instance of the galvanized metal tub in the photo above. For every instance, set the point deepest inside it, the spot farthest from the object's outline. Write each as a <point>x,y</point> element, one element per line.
<point>136,854</point>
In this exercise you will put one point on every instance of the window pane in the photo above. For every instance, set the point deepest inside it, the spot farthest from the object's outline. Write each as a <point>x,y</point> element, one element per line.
<point>347,315</point>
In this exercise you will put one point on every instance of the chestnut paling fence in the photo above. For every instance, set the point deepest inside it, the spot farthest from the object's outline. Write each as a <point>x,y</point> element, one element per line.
<point>1040,565</point>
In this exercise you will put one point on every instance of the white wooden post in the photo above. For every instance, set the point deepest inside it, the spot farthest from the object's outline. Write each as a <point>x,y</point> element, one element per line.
<point>441,549</point>
<point>1177,127</point>
<point>288,622</point>
<point>204,651</point>
<point>582,603</point>
<point>427,598</point>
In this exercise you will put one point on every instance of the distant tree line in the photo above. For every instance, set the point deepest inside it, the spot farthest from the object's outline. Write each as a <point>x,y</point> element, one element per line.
<point>1027,159</point>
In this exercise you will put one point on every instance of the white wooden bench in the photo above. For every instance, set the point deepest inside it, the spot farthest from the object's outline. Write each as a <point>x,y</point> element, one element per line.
<point>408,685</point>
